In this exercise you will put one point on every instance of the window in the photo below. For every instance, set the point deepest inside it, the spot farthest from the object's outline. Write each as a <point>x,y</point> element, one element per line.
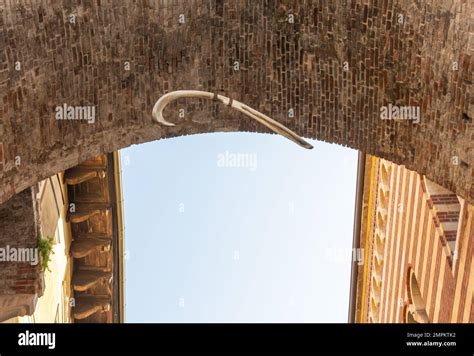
<point>416,309</point>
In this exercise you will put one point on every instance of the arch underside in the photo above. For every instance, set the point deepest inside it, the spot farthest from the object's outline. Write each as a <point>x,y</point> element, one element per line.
<point>335,66</point>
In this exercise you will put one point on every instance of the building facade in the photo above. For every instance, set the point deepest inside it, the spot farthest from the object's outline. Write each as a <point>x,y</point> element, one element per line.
<point>417,243</point>
<point>78,215</point>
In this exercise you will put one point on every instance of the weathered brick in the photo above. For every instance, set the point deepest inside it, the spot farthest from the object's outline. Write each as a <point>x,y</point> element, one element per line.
<point>405,63</point>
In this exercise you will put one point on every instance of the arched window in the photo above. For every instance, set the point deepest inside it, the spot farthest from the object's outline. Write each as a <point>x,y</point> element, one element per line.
<point>416,309</point>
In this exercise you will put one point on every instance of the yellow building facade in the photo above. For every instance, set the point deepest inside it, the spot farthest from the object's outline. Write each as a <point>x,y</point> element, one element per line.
<point>417,240</point>
<point>81,211</point>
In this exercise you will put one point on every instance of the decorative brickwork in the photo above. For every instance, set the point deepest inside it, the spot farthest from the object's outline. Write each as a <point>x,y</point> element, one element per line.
<point>413,252</point>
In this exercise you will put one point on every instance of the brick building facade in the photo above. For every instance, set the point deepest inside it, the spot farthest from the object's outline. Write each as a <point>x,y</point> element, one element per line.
<point>417,240</point>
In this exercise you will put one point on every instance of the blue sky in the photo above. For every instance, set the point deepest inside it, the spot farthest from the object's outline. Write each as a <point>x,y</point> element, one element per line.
<point>238,227</point>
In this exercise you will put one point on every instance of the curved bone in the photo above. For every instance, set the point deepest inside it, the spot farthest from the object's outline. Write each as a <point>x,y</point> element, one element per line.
<point>273,125</point>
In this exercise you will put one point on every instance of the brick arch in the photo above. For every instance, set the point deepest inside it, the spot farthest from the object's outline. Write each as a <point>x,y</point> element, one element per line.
<point>283,65</point>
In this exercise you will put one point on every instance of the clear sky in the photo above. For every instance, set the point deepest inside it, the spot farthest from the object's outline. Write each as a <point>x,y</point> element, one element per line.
<point>238,227</point>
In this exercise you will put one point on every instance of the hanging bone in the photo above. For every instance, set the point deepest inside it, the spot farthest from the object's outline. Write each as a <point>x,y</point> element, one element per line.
<point>273,125</point>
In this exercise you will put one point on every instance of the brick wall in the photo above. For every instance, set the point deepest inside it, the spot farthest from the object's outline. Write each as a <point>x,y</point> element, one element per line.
<point>18,229</point>
<point>398,53</point>
<point>411,238</point>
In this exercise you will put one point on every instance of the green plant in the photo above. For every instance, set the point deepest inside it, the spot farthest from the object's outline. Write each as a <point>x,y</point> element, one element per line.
<point>45,248</point>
